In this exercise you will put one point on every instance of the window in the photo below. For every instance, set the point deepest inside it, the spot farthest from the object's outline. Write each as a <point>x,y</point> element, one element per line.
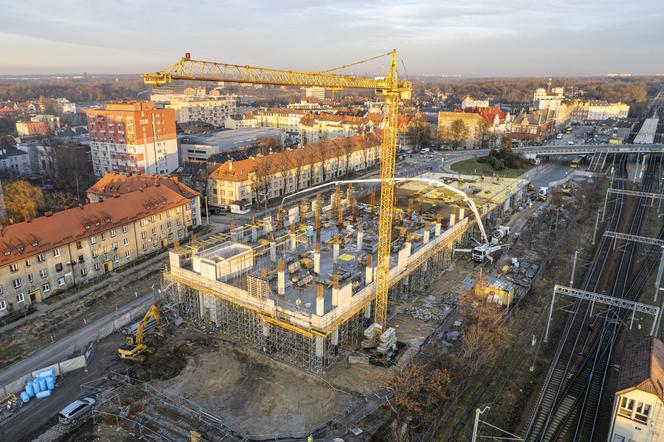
<point>84,271</point>
<point>56,252</point>
<point>27,262</point>
<point>93,240</point>
<point>97,266</point>
<point>80,258</point>
<point>20,298</point>
<point>61,281</point>
<point>125,229</point>
<point>127,254</point>
<point>125,241</point>
<point>58,267</point>
<point>154,231</point>
<point>642,412</point>
<point>103,236</point>
<point>3,305</point>
<point>618,438</point>
<point>46,287</point>
<point>30,277</point>
<point>626,407</point>
<point>112,233</point>
<point>116,259</point>
<point>40,258</point>
<point>145,247</point>
<point>13,267</point>
<point>43,273</point>
<point>79,245</point>
<point>94,253</point>
<point>16,283</point>
<point>144,235</point>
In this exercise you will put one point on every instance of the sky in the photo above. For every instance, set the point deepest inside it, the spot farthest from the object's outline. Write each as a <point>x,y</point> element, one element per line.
<point>472,38</point>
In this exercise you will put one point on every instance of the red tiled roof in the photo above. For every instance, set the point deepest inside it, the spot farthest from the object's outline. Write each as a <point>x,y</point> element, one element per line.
<point>22,240</point>
<point>112,184</point>
<point>239,171</point>
<point>489,114</point>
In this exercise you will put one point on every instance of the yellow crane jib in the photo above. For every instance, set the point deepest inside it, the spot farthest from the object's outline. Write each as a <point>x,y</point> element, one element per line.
<point>389,86</point>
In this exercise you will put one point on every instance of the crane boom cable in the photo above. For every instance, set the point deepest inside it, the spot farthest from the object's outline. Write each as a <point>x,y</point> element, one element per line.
<point>355,64</point>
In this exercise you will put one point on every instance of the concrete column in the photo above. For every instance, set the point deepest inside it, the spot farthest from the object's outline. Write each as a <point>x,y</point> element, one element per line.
<point>368,278</point>
<point>273,251</point>
<point>335,251</point>
<point>335,337</point>
<point>281,278</point>
<point>317,259</point>
<point>367,311</point>
<point>427,232</point>
<point>320,299</point>
<point>293,241</point>
<point>360,236</point>
<point>335,290</point>
<point>452,219</point>
<point>404,254</point>
<point>462,213</point>
<point>436,229</point>
<point>320,346</point>
<point>254,234</point>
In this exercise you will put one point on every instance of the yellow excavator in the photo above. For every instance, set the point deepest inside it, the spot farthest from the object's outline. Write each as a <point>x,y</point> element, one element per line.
<point>134,348</point>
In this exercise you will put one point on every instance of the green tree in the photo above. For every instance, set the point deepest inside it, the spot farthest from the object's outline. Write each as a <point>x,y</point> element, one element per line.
<point>22,200</point>
<point>506,145</point>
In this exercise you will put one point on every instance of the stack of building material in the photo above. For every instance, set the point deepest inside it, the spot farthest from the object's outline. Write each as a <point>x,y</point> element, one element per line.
<point>40,386</point>
<point>367,342</point>
<point>388,340</point>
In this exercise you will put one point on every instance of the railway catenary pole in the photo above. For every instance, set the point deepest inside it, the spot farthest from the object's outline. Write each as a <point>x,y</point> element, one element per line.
<point>659,275</point>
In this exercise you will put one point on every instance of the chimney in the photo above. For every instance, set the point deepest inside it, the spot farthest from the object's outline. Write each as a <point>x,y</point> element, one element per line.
<point>281,278</point>
<point>230,165</point>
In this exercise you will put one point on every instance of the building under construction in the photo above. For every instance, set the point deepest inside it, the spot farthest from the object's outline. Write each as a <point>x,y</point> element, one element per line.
<point>300,286</point>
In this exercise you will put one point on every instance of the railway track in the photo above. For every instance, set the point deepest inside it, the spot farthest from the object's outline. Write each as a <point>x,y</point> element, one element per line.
<point>568,404</point>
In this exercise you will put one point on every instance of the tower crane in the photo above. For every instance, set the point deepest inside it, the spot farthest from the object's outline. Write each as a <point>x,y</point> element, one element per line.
<point>389,86</point>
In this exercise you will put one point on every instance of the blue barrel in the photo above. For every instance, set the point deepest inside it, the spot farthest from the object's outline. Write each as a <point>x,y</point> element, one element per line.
<point>35,386</point>
<point>50,382</point>
<point>25,397</point>
<point>43,394</point>
<point>42,384</point>
<point>29,390</point>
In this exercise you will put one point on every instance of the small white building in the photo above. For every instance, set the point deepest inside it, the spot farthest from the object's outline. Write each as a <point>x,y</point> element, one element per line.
<point>471,102</point>
<point>638,404</point>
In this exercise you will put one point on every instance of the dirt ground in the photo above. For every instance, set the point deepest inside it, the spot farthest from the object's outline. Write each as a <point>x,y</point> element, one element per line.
<point>255,394</point>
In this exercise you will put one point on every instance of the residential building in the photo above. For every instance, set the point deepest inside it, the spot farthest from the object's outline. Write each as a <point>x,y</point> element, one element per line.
<point>113,184</point>
<point>275,175</point>
<point>315,128</point>
<point>638,404</point>
<point>285,119</point>
<point>602,110</point>
<point>498,122</point>
<point>471,102</point>
<point>134,137</point>
<point>315,92</point>
<point>14,163</point>
<point>32,128</point>
<point>57,251</point>
<point>213,110</point>
<point>202,146</point>
<point>52,120</point>
<point>66,106</point>
<point>40,156</point>
<point>472,124</point>
<point>534,126</point>
<point>240,121</point>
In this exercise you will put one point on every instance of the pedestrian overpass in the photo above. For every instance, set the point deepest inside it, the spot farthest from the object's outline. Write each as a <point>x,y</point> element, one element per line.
<point>585,149</point>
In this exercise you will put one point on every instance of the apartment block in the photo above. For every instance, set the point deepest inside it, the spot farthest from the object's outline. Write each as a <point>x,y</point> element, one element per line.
<point>32,128</point>
<point>132,137</point>
<point>114,184</point>
<point>275,175</point>
<point>57,251</point>
<point>213,110</point>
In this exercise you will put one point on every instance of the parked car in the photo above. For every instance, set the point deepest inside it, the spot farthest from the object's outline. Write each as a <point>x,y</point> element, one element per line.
<point>76,410</point>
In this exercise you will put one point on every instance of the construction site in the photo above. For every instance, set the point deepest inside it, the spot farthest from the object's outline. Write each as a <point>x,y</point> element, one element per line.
<point>301,287</point>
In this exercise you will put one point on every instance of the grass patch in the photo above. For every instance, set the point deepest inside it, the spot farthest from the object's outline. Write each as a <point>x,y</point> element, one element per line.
<point>473,167</point>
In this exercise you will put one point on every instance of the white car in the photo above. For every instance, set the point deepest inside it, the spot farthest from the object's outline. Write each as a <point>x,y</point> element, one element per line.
<point>570,142</point>
<point>75,410</point>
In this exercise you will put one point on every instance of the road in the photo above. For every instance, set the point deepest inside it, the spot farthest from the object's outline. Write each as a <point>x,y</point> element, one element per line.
<point>61,349</point>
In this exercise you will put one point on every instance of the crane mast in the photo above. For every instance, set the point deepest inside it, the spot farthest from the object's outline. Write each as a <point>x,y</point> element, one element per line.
<point>390,86</point>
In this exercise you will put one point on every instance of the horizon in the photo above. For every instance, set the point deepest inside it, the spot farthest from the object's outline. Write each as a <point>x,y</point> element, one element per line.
<point>588,38</point>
